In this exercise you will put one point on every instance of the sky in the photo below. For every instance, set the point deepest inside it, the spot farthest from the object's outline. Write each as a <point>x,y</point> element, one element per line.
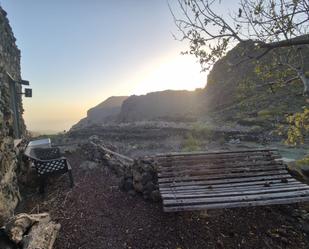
<point>77,53</point>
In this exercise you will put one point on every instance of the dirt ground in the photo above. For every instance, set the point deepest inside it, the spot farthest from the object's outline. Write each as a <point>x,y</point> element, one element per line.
<point>95,214</point>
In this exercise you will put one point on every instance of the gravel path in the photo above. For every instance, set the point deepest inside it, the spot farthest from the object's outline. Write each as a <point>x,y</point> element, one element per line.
<point>95,214</point>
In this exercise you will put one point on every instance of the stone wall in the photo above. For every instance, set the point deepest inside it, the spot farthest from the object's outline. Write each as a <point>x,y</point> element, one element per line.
<point>137,176</point>
<point>9,63</point>
<point>142,178</point>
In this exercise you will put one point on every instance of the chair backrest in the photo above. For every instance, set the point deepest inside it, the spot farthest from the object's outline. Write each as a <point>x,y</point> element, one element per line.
<point>211,166</point>
<point>46,153</point>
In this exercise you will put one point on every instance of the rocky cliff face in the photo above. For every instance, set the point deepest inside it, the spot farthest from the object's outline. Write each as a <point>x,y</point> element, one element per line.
<point>105,112</point>
<point>166,105</point>
<point>229,79</point>
<point>232,92</point>
<point>9,63</point>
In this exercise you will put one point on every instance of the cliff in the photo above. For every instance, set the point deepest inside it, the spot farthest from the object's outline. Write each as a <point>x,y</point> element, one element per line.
<point>165,105</point>
<point>105,112</point>
<point>233,93</point>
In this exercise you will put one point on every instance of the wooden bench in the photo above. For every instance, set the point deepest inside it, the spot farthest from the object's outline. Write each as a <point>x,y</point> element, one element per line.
<point>226,179</point>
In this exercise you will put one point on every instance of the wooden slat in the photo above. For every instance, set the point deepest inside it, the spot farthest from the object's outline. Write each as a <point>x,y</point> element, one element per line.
<point>190,195</point>
<point>226,185</point>
<point>216,165</point>
<point>231,189</point>
<point>214,157</point>
<point>236,204</point>
<point>227,189</point>
<point>256,197</point>
<point>207,171</point>
<point>216,152</point>
<point>221,176</point>
<point>236,180</point>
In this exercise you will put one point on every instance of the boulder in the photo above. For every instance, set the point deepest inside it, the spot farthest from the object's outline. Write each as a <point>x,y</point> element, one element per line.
<point>305,170</point>
<point>138,186</point>
<point>149,187</point>
<point>295,171</point>
<point>146,177</point>
<point>137,176</point>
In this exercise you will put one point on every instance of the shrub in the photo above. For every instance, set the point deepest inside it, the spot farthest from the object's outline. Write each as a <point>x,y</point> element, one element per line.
<point>191,144</point>
<point>202,131</point>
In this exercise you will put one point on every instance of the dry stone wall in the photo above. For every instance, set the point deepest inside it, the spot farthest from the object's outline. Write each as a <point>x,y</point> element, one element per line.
<point>9,63</point>
<point>137,176</point>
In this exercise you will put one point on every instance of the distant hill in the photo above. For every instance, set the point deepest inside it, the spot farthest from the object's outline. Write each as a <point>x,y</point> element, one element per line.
<point>233,93</point>
<point>105,112</point>
<point>164,105</point>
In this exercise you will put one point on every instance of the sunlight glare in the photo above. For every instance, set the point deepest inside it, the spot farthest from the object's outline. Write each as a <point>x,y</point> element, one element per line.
<point>177,73</point>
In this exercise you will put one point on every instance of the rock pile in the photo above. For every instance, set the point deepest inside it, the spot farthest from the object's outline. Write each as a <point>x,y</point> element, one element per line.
<point>98,151</point>
<point>142,178</point>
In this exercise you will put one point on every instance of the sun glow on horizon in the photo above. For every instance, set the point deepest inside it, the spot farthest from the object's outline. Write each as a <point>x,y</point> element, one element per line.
<point>173,73</point>
<point>164,73</point>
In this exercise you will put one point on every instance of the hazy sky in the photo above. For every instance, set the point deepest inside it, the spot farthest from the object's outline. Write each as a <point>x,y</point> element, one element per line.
<point>76,53</point>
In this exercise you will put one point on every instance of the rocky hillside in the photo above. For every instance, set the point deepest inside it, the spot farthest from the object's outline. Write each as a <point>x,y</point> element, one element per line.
<point>106,111</point>
<point>231,83</point>
<point>165,105</point>
<point>233,93</point>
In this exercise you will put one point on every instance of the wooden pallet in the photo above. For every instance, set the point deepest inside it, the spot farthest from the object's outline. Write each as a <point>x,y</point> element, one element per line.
<point>226,179</point>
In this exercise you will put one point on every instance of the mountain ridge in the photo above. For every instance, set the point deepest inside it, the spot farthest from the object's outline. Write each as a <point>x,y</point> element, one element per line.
<point>231,93</point>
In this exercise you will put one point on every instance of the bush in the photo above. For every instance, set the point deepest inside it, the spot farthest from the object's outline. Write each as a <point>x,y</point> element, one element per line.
<point>191,144</point>
<point>202,131</point>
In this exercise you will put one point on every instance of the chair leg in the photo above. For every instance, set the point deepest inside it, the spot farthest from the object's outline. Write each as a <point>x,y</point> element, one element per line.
<point>71,178</point>
<point>42,184</point>
<point>70,174</point>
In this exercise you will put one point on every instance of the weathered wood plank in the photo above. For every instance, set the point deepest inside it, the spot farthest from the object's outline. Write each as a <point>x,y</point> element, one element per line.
<point>167,161</point>
<point>236,180</point>
<point>207,171</point>
<point>257,197</point>
<point>221,165</point>
<point>216,152</point>
<point>236,204</point>
<point>227,185</point>
<point>231,189</point>
<point>193,195</point>
<point>221,176</point>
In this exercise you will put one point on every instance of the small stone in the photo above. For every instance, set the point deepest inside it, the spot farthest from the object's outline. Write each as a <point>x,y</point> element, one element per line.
<point>138,186</point>
<point>137,176</point>
<point>155,195</point>
<point>146,177</point>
